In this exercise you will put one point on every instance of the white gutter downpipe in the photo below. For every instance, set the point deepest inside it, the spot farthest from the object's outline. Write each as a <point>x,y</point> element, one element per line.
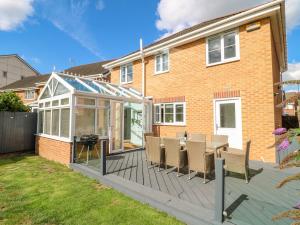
<point>143,66</point>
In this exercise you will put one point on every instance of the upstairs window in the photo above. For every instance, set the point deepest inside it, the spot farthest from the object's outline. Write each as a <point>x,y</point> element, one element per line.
<point>29,94</point>
<point>126,73</point>
<point>222,48</point>
<point>162,62</point>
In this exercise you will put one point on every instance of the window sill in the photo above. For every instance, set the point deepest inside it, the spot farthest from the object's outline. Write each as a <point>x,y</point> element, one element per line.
<point>54,137</point>
<point>170,124</point>
<point>162,72</point>
<point>124,83</point>
<point>223,62</point>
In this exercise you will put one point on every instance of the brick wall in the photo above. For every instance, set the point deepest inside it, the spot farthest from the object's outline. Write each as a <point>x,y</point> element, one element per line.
<point>55,150</point>
<point>253,76</point>
<point>21,94</point>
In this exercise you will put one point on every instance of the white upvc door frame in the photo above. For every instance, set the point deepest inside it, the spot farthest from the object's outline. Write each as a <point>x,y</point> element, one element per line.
<point>111,133</point>
<point>236,143</point>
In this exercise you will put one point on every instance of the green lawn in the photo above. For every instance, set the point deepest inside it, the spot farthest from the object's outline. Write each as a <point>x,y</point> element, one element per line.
<point>37,191</point>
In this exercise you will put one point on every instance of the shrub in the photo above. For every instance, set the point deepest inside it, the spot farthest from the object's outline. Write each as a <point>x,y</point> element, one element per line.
<point>10,102</point>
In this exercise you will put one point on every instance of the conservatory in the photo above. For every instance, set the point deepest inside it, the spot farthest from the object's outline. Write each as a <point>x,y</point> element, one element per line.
<point>71,106</point>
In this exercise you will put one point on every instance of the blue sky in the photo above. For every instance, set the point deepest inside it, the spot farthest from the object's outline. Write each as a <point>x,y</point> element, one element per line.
<point>64,33</point>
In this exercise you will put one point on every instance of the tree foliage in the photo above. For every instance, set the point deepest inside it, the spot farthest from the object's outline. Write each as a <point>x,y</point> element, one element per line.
<point>10,102</point>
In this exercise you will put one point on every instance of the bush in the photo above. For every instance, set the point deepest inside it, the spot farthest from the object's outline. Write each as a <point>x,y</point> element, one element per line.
<point>10,102</point>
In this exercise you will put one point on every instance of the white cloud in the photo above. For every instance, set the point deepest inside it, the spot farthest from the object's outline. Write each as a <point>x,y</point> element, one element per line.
<point>100,5</point>
<point>175,15</point>
<point>293,72</point>
<point>13,13</point>
<point>69,17</point>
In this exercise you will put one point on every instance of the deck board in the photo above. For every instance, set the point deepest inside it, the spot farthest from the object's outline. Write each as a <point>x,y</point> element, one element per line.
<point>255,203</point>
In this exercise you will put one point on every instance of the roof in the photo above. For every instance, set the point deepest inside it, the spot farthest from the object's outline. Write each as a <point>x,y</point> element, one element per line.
<point>88,69</point>
<point>22,60</point>
<point>196,30</point>
<point>27,82</point>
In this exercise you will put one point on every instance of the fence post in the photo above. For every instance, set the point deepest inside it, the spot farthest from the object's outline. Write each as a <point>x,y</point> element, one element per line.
<point>219,190</point>
<point>103,143</point>
<point>74,150</point>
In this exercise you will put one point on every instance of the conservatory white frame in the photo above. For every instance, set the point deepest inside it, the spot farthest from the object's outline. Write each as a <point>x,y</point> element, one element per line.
<point>112,93</point>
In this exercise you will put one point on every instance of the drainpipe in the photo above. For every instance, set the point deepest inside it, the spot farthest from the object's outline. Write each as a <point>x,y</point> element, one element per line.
<point>143,66</point>
<point>143,88</point>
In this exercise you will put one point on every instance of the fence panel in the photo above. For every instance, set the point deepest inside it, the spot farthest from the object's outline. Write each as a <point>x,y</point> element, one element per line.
<point>17,131</point>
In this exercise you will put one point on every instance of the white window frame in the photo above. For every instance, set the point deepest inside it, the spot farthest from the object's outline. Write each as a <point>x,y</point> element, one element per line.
<point>175,123</point>
<point>26,96</point>
<point>126,73</point>
<point>156,72</point>
<point>223,60</point>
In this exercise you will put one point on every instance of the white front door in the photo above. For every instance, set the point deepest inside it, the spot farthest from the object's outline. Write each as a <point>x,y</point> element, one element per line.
<point>228,121</point>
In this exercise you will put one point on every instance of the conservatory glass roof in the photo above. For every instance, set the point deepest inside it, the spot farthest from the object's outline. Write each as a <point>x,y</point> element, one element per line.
<point>60,83</point>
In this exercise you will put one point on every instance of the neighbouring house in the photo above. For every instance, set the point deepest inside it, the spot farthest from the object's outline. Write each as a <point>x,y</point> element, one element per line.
<point>28,88</point>
<point>14,68</point>
<point>290,108</point>
<point>94,71</point>
<point>216,77</point>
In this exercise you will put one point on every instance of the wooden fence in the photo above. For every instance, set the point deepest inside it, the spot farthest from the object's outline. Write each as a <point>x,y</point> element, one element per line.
<point>17,131</point>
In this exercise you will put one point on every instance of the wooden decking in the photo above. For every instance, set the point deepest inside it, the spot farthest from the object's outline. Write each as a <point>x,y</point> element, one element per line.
<point>253,203</point>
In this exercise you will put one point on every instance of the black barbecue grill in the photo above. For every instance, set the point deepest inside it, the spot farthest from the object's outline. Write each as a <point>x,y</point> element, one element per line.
<point>89,142</point>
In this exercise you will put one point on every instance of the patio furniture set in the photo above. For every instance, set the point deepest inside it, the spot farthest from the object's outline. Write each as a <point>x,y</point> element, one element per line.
<point>192,150</point>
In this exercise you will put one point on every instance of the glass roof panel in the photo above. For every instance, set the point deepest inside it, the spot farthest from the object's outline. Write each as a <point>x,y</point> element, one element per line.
<point>94,86</point>
<point>75,84</point>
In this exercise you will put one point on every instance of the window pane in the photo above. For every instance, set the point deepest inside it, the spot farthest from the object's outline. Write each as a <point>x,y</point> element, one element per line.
<point>214,44</point>
<point>41,121</point>
<point>85,121</point>
<point>129,73</point>
<point>41,105</point>
<point>64,101</point>
<point>65,123</point>
<point>55,103</point>
<point>75,84</point>
<point>123,74</point>
<point>162,111</point>
<point>60,89</point>
<point>169,113</point>
<point>158,63</point>
<point>157,114</point>
<point>47,104</point>
<point>229,39</point>
<point>46,93</point>
<point>214,56</point>
<point>103,103</point>
<point>227,115</point>
<point>102,122</point>
<point>47,121</point>
<point>55,122</point>
<point>229,52</point>
<point>179,113</point>
<point>85,101</point>
<point>165,64</point>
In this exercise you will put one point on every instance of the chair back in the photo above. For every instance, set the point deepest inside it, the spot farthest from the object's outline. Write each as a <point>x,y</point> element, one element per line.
<point>180,134</point>
<point>219,138</point>
<point>196,155</point>
<point>172,151</point>
<point>197,137</point>
<point>147,134</point>
<point>247,152</point>
<point>154,149</point>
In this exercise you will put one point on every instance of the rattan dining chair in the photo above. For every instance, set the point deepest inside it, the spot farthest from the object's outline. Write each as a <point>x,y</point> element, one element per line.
<point>199,160</point>
<point>154,151</point>
<point>173,153</point>
<point>145,141</point>
<point>196,137</point>
<point>237,160</point>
